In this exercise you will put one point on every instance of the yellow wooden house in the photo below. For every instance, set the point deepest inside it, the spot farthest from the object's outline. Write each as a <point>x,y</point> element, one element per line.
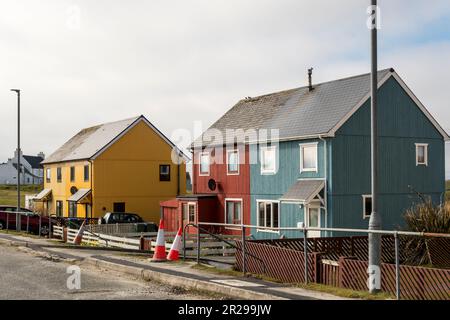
<point>123,166</point>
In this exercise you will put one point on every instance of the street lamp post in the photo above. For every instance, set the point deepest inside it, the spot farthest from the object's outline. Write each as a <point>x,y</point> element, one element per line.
<point>375,219</point>
<point>18,220</point>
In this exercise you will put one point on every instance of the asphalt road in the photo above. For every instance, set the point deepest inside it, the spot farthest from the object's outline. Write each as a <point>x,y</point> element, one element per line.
<point>24,276</point>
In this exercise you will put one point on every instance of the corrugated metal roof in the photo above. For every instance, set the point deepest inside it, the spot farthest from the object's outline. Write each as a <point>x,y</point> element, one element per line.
<point>89,141</point>
<point>303,190</point>
<point>296,112</point>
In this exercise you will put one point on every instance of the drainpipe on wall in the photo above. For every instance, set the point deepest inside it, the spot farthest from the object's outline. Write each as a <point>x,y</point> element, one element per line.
<point>325,194</point>
<point>92,190</point>
<point>178,175</point>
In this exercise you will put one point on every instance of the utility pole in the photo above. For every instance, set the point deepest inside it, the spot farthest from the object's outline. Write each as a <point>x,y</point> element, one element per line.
<point>18,220</point>
<point>374,270</point>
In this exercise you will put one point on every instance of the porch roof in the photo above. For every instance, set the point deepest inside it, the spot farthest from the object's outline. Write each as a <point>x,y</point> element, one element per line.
<point>80,195</point>
<point>303,191</point>
<point>43,195</point>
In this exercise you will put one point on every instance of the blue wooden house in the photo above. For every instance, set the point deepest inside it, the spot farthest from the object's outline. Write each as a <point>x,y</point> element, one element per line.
<point>316,169</point>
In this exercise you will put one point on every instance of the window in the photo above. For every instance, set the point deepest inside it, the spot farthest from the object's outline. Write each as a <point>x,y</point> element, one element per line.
<point>233,211</point>
<point>164,172</point>
<point>72,174</point>
<point>268,214</point>
<point>204,164</point>
<point>58,175</point>
<point>72,209</point>
<point>268,160</point>
<point>86,173</point>
<point>421,154</point>
<point>119,207</point>
<point>308,157</point>
<point>367,206</point>
<point>233,162</point>
<point>47,175</point>
<point>189,212</point>
<point>59,208</point>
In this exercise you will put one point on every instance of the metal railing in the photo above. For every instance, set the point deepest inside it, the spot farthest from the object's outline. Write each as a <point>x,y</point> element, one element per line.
<point>305,230</point>
<point>220,238</point>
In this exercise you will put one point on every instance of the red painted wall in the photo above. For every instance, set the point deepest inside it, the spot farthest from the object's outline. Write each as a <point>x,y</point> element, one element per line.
<point>228,186</point>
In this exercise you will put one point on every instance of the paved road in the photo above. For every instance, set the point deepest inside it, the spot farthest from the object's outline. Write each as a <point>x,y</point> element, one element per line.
<point>23,276</point>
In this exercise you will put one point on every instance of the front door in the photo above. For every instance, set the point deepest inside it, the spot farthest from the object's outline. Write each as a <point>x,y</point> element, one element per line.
<point>313,220</point>
<point>189,214</point>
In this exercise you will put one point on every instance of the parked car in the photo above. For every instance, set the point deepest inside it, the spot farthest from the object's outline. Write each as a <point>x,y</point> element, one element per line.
<point>125,217</point>
<point>8,214</point>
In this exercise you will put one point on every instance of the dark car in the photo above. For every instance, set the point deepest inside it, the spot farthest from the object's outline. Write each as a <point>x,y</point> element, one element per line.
<point>8,219</point>
<point>126,217</point>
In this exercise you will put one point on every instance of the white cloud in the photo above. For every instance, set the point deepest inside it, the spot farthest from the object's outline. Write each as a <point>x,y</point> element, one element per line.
<point>181,61</point>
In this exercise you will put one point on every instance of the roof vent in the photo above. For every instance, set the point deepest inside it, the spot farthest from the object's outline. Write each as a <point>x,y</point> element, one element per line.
<point>310,70</point>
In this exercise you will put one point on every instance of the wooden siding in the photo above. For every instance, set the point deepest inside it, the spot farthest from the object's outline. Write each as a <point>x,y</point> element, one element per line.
<point>401,125</point>
<point>272,187</point>
<point>228,186</point>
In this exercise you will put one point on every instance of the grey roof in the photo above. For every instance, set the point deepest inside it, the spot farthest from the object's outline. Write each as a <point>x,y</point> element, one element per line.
<point>296,112</point>
<point>303,190</point>
<point>89,141</point>
<point>79,195</point>
<point>34,161</point>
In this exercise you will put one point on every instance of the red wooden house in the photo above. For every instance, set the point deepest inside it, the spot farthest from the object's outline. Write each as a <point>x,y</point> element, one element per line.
<point>221,191</point>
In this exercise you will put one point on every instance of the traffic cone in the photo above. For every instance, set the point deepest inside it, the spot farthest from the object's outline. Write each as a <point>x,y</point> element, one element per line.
<point>174,253</point>
<point>79,236</point>
<point>160,249</point>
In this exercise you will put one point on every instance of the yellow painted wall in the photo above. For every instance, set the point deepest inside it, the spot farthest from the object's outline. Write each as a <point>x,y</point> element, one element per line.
<point>61,190</point>
<point>128,171</point>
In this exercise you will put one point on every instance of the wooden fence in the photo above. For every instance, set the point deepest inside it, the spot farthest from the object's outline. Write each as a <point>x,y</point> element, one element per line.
<point>209,246</point>
<point>287,265</point>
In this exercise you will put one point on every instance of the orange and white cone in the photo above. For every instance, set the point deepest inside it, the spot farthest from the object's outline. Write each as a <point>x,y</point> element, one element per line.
<point>79,236</point>
<point>160,249</point>
<point>174,253</point>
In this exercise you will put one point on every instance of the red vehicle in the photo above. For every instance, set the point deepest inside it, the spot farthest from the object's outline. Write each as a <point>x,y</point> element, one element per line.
<point>8,220</point>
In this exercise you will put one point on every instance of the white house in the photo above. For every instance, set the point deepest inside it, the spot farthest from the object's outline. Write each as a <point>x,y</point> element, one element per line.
<point>31,170</point>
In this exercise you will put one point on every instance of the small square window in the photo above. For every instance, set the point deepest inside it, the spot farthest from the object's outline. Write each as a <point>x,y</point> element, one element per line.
<point>86,173</point>
<point>204,163</point>
<point>308,157</point>
<point>58,175</point>
<point>48,175</point>
<point>367,206</point>
<point>268,160</point>
<point>421,154</point>
<point>164,172</point>
<point>233,162</point>
<point>72,174</point>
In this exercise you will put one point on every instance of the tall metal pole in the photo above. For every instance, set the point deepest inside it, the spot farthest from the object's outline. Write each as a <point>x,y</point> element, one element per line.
<point>18,220</point>
<point>375,219</point>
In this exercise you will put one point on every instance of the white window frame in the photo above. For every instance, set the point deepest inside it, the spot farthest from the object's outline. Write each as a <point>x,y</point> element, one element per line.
<point>364,197</point>
<point>242,211</point>
<point>200,173</point>
<point>258,223</point>
<point>238,162</point>
<point>271,171</point>
<point>48,175</point>
<point>305,145</point>
<point>425,145</point>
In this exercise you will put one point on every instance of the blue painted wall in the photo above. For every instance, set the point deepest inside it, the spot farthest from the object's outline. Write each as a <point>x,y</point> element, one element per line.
<point>401,124</point>
<point>272,187</point>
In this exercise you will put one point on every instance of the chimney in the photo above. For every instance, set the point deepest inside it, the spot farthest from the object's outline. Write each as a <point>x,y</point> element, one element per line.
<point>310,70</point>
<point>41,154</point>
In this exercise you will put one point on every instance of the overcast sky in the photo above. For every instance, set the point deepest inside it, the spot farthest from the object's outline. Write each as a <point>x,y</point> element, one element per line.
<point>80,63</point>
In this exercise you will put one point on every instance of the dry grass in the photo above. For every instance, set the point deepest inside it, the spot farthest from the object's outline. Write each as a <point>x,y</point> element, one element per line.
<point>8,193</point>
